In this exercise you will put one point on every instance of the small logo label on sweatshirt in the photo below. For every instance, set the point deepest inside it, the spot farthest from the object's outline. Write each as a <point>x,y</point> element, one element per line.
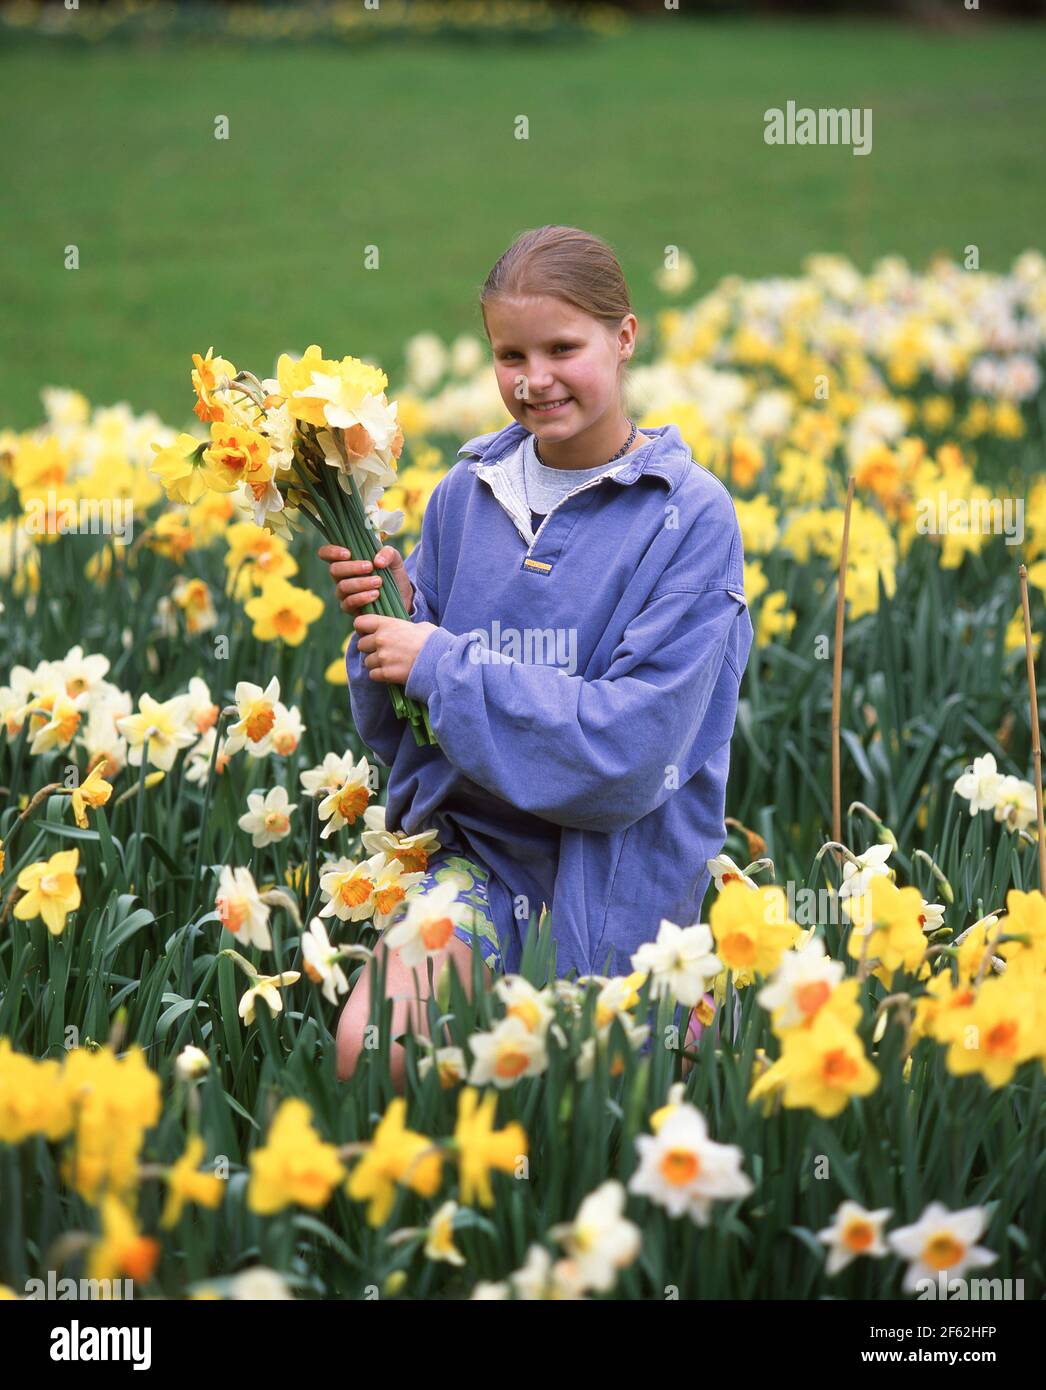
<point>539,565</point>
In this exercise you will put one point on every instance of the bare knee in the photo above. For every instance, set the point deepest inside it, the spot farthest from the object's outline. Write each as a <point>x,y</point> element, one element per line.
<point>409,990</point>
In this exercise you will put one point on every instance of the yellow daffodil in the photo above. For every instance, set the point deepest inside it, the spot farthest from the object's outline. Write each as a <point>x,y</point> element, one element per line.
<point>236,455</point>
<point>158,731</point>
<point>33,1098</point>
<point>1003,1026</point>
<point>186,1184</point>
<point>209,375</point>
<point>751,928</point>
<point>887,926</point>
<point>295,1166</point>
<point>283,611</point>
<point>193,597</point>
<point>396,1155</point>
<point>254,555</point>
<point>122,1249</point>
<point>1026,917</point>
<point>481,1149</point>
<point>820,1068</point>
<point>114,1101</point>
<point>180,469</point>
<point>50,890</point>
<point>93,791</point>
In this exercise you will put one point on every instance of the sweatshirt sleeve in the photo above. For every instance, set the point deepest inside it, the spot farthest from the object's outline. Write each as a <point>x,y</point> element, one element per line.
<point>376,721</point>
<point>593,754</point>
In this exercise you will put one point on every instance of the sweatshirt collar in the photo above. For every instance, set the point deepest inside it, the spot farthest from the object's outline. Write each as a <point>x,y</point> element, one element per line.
<point>663,458</point>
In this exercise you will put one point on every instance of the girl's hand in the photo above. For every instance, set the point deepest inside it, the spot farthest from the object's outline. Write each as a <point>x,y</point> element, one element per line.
<point>357,581</point>
<point>391,645</point>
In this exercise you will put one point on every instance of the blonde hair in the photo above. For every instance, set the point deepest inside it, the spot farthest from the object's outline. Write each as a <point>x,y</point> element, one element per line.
<point>567,264</point>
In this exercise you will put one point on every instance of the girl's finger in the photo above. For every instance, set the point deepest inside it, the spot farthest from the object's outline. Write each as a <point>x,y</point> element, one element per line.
<point>358,586</point>
<point>357,601</point>
<point>342,569</point>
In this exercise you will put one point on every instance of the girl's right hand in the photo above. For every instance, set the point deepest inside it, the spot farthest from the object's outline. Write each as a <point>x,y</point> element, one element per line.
<point>357,581</point>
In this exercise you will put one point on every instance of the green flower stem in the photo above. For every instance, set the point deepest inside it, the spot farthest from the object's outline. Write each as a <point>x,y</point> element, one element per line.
<point>208,792</point>
<point>139,814</point>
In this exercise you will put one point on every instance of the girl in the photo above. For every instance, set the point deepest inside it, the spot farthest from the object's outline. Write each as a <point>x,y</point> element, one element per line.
<point>578,630</point>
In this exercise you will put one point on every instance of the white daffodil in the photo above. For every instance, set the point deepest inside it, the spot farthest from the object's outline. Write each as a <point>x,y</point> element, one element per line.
<point>932,916</point>
<point>684,1171</point>
<point>523,1001</point>
<point>413,851</point>
<point>724,870</point>
<point>158,730</point>
<point>802,982</point>
<point>279,430</point>
<point>259,1284</point>
<point>256,710</point>
<point>343,804</point>
<point>509,1052</point>
<point>680,962</point>
<point>287,730</point>
<point>450,1063</point>
<point>600,1241</point>
<point>64,717</point>
<point>856,879</point>
<point>854,1232</point>
<point>82,672</point>
<point>191,1062</point>
<point>676,1098</point>
<point>321,959</point>
<point>240,908</point>
<point>15,699</point>
<point>617,997</point>
<point>198,759</point>
<point>266,987</point>
<point>428,924</point>
<point>570,994</point>
<point>101,740</point>
<point>1015,803</point>
<point>439,1243</point>
<point>392,885</point>
<point>540,1279</point>
<point>636,1035</point>
<point>941,1241</point>
<point>268,816</point>
<point>344,407</point>
<point>488,1292</point>
<point>203,712</point>
<point>979,784</point>
<point>348,887</point>
<point>332,773</point>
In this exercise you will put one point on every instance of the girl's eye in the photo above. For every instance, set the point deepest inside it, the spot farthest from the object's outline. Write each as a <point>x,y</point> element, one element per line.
<point>559,347</point>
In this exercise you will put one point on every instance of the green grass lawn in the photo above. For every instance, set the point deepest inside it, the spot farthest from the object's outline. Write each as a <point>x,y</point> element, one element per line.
<point>255,244</point>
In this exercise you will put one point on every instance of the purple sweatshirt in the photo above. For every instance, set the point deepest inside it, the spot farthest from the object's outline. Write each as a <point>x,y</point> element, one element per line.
<point>582,687</point>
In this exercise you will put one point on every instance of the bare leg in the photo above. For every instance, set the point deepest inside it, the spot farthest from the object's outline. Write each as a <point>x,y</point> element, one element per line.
<point>404,986</point>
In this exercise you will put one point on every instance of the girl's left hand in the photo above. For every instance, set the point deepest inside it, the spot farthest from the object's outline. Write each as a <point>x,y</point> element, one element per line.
<point>391,645</point>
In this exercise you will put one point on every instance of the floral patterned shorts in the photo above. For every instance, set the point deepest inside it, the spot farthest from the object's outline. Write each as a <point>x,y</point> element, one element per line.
<point>471,880</point>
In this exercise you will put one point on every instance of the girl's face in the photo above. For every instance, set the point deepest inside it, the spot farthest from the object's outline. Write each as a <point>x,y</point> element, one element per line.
<point>548,353</point>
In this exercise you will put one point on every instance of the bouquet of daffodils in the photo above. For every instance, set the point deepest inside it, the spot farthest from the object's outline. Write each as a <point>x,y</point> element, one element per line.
<point>320,439</point>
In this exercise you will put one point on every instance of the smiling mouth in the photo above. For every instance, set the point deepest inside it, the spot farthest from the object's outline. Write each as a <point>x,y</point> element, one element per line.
<point>543,407</point>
